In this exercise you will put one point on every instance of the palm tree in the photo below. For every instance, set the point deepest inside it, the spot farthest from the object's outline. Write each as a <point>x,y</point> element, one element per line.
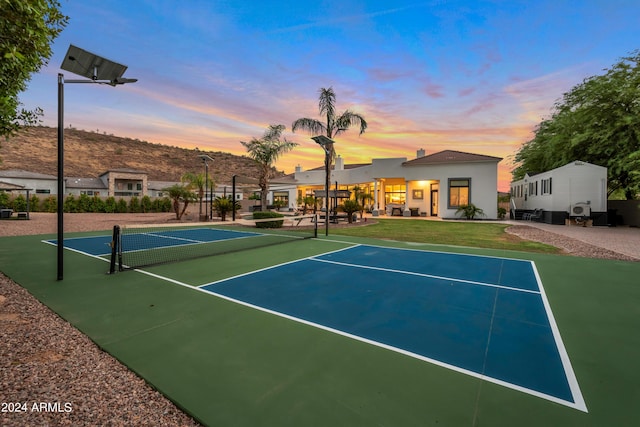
<point>197,181</point>
<point>223,205</point>
<point>265,152</point>
<point>180,194</point>
<point>334,126</point>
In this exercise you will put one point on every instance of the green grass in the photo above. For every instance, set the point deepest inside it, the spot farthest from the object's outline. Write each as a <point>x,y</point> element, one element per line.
<point>458,233</point>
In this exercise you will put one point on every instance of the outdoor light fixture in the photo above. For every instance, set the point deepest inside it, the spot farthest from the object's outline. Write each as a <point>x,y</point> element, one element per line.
<point>327,145</point>
<point>205,158</point>
<point>94,69</point>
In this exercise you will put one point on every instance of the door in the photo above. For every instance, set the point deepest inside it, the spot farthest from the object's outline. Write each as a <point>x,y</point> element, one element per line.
<point>434,202</point>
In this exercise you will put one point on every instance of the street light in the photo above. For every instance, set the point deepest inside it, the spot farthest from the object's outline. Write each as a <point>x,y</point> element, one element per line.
<point>96,70</point>
<point>204,158</point>
<point>327,146</point>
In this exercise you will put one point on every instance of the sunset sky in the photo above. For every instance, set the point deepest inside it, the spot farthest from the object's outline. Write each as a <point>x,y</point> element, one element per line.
<point>473,76</point>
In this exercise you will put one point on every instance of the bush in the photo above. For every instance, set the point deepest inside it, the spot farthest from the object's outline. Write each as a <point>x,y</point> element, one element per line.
<point>84,204</point>
<point>4,200</point>
<point>145,204</point>
<point>70,204</point>
<point>121,206</point>
<point>20,203</point>
<point>110,205</point>
<point>34,203</point>
<point>50,204</point>
<point>470,211</point>
<point>268,224</point>
<point>134,205</point>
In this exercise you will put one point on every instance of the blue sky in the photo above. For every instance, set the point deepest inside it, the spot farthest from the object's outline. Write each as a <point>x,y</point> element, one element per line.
<point>474,76</point>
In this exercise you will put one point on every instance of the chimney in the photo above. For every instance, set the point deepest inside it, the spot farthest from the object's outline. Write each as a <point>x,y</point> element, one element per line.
<point>339,163</point>
<point>420,153</point>
<point>298,168</point>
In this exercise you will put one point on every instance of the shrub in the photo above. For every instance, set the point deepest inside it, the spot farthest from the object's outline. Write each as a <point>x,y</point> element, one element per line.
<point>84,204</point>
<point>121,206</point>
<point>50,204</point>
<point>70,204</point>
<point>34,203</point>
<point>268,224</point>
<point>145,204</point>
<point>4,199</point>
<point>470,211</point>
<point>20,203</point>
<point>110,205</point>
<point>134,205</point>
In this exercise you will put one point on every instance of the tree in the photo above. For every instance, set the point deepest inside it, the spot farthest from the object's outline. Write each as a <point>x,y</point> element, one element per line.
<point>180,195</point>
<point>597,121</point>
<point>350,207</point>
<point>265,152</point>
<point>197,181</point>
<point>224,205</point>
<point>333,126</point>
<point>27,30</point>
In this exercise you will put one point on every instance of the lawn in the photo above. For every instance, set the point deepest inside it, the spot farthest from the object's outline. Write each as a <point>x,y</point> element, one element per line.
<point>458,233</point>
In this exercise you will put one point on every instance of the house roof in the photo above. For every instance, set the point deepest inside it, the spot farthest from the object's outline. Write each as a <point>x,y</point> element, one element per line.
<point>124,170</point>
<point>19,173</point>
<point>450,156</point>
<point>76,182</point>
<point>7,186</point>
<point>349,166</point>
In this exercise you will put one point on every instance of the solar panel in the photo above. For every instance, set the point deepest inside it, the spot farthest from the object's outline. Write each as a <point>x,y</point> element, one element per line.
<point>92,66</point>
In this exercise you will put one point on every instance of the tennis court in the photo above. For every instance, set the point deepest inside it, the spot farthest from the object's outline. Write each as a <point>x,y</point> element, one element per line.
<point>336,331</point>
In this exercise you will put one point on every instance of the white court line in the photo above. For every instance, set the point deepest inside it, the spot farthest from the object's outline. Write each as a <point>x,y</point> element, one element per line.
<point>431,276</point>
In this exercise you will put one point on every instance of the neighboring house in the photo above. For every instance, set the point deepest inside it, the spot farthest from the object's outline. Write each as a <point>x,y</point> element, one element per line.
<point>577,189</point>
<point>39,183</point>
<point>430,185</point>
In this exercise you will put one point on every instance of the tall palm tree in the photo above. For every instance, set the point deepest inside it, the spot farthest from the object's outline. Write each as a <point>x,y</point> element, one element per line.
<point>265,152</point>
<point>333,126</point>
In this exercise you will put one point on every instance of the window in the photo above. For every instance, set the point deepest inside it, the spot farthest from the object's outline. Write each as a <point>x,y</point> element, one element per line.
<point>546,186</point>
<point>395,193</point>
<point>43,191</point>
<point>459,192</point>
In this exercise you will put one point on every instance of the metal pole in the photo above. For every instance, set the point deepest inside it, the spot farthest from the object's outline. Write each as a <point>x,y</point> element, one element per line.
<point>233,195</point>
<point>60,176</point>
<point>206,185</point>
<point>327,160</point>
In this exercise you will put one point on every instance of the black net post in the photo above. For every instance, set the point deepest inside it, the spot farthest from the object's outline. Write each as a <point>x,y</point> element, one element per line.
<point>115,250</point>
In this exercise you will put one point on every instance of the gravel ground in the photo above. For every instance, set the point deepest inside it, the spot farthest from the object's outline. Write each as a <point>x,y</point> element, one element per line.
<point>51,374</point>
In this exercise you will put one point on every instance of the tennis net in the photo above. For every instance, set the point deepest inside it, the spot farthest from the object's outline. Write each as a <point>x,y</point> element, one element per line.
<point>144,246</point>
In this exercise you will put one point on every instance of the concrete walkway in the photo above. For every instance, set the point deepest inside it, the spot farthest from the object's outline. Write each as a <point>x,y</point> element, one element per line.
<point>624,240</point>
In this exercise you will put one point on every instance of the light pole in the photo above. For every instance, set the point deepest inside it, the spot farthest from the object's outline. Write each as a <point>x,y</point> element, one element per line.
<point>327,145</point>
<point>205,159</point>
<point>95,70</point>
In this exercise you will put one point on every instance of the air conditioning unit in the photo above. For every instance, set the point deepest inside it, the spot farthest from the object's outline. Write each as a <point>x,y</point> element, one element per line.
<point>580,210</point>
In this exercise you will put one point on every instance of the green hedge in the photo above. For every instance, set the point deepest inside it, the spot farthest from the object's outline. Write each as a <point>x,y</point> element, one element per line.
<point>268,224</point>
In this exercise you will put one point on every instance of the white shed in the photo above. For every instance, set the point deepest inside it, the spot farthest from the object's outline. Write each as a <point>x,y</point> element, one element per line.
<point>575,189</point>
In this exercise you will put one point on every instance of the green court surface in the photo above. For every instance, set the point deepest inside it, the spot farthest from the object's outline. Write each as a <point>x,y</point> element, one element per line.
<point>228,364</point>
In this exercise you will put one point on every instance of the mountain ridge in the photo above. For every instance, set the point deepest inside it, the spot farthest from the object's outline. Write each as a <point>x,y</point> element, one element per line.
<point>89,154</point>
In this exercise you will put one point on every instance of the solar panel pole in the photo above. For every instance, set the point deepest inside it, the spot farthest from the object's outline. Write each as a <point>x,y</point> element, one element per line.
<point>96,70</point>
<point>327,145</point>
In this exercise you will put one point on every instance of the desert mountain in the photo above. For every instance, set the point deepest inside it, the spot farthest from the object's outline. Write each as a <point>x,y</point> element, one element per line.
<point>89,154</point>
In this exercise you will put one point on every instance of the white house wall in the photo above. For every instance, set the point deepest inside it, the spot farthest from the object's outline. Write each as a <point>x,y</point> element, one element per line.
<point>483,191</point>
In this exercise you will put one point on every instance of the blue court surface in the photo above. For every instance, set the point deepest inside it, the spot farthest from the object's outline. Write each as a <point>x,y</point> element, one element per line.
<point>482,316</point>
<point>100,246</point>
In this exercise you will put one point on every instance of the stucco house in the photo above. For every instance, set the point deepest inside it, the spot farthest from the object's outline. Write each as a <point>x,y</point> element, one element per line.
<point>429,185</point>
<point>577,189</point>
